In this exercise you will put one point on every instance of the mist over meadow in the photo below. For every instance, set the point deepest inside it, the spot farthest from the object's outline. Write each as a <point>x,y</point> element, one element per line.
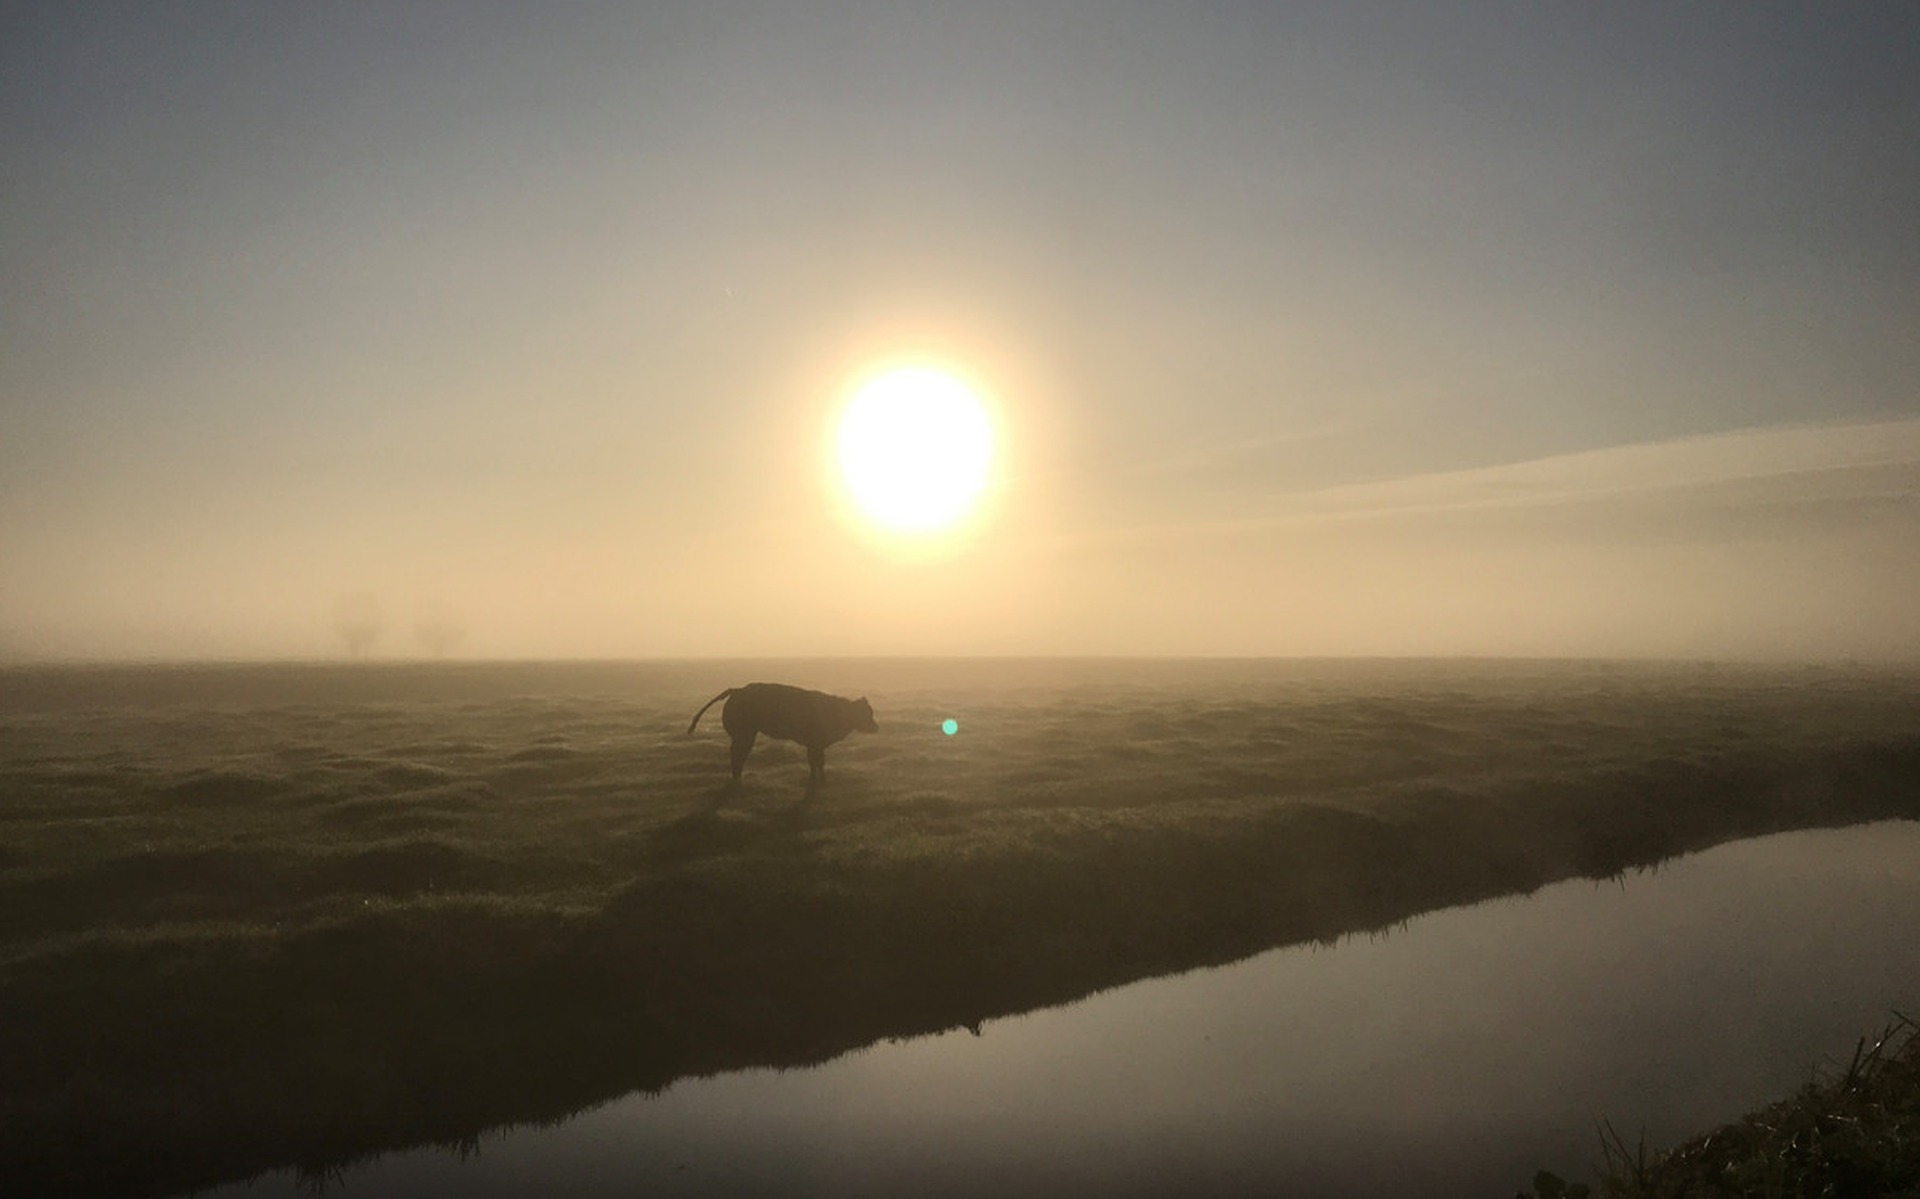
<point>1282,475</point>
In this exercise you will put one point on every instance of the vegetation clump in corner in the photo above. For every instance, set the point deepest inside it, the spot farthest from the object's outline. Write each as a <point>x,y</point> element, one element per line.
<point>1854,1134</point>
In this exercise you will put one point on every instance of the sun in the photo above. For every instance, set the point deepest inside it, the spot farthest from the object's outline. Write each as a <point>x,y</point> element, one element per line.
<point>915,444</point>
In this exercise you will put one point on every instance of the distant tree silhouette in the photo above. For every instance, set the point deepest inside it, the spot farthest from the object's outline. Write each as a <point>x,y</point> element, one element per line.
<point>440,631</point>
<point>358,620</point>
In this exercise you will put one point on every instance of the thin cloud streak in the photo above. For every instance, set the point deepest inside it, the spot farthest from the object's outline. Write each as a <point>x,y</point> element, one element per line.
<point>1619,471</point>
<point>1826,462</point>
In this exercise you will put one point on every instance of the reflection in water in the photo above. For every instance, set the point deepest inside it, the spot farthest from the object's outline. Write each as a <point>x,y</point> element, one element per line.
<point>1455,1055</point>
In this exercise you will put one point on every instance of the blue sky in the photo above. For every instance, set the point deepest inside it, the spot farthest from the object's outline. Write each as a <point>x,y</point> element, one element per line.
<point>1484,328</point>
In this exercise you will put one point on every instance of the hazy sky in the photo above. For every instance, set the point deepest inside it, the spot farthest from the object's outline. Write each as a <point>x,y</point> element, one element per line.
<point>1524,328</point>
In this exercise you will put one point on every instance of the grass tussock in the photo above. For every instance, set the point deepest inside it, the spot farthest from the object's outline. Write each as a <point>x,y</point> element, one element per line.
<point>1853,1133</point>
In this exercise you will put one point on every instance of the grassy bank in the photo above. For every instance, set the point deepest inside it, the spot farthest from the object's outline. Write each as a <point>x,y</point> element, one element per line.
<point>245,935</point>
<point>1855,1132</point>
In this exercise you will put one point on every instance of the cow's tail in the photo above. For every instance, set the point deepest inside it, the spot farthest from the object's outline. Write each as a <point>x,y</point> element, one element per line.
<point>703,709</point>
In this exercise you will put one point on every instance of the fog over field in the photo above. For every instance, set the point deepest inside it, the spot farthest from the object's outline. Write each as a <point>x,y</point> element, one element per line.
<point>1275,471</point>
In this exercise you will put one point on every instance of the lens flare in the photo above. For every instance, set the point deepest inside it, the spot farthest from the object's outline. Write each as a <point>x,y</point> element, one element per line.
<point>949,726</point>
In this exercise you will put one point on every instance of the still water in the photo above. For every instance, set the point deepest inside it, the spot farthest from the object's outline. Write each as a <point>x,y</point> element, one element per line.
<point>1456,1054</point>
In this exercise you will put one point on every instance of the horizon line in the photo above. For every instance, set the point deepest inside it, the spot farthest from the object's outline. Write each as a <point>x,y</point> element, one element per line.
<point>105,662</point>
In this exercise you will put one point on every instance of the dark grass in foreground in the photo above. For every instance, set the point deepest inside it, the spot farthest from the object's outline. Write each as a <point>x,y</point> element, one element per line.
<point>257,918</point>
<point>1856,1133</point>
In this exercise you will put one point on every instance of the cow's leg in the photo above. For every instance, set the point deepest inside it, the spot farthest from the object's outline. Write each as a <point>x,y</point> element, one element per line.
<point>742,746</point>
<point>817,762</point>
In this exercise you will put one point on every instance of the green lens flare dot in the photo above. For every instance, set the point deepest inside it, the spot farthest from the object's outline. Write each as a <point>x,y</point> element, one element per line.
<point>949,726</point>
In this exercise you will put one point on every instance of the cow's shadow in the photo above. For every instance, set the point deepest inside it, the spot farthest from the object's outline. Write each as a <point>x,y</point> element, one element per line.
<point>737,817</point>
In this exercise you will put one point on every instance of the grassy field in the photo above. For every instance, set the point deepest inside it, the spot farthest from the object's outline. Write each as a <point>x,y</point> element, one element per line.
<point>259,916</point>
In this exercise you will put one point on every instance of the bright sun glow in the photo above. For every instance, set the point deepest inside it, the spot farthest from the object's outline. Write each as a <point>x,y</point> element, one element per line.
<point>914,448</point>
